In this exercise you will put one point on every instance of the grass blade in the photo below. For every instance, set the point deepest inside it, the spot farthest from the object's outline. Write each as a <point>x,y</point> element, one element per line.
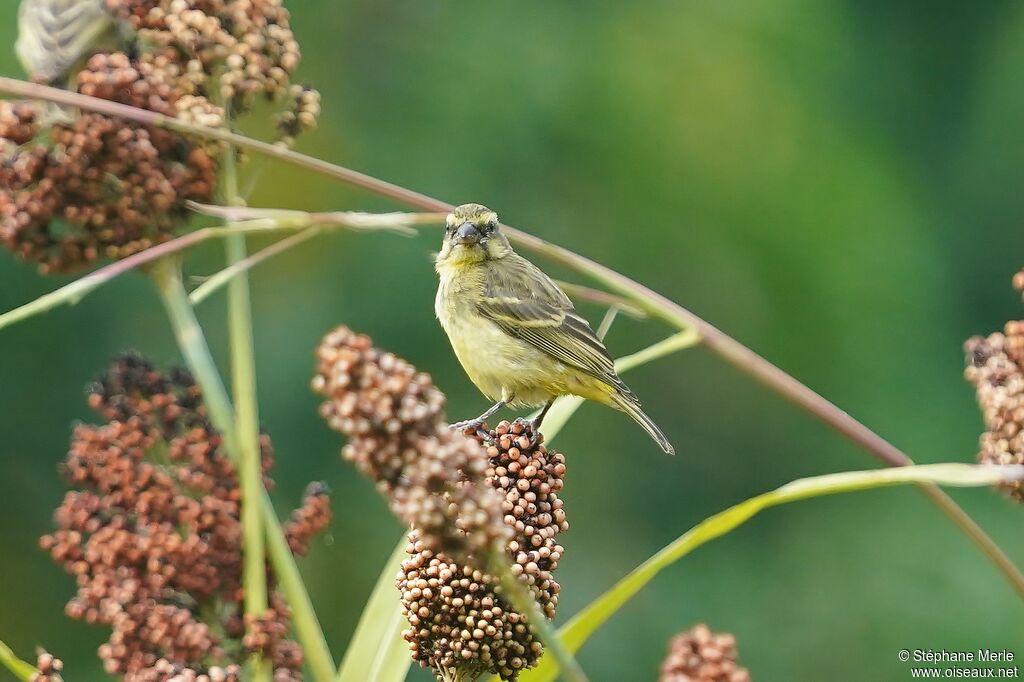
<point>377,651</point>
<point>579,629</point>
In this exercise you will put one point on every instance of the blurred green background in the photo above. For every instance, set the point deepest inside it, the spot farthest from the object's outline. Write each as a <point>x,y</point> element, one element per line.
<point>837,183</point>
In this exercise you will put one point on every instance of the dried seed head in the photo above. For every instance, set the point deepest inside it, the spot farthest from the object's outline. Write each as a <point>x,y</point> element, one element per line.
<point>394,417</point>
<point>19,121</point>
<point>310,519</point>
<point>101,188</point>
<point>98,188</point>
<point>995,366</point>
<point>700,655</point>
<point>464,498</point>
<point>48,667</point>
<point>459,620</point>
<point>152,534</point>
<point>301,114</point>
<point>243,47</point>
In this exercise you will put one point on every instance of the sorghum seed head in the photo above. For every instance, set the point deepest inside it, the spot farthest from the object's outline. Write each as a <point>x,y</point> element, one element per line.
<point>995,366</point>
<point>394,418</point>
<point>99,187</point>
<point>458,617</point>
<point>48,667</point>
<point>152,534</point>
<point>700,655</point>
<point>464,497</point>
<point>89,187</point>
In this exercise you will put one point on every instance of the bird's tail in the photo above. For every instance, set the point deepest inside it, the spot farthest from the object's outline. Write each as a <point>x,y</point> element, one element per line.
<point>632,408</point>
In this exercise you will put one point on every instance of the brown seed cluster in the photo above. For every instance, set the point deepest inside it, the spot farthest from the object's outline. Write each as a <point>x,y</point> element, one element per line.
<point>98,187</point>
<point>309,520</point>
<point>700,655</point>
<point>458,617</point>
<point>19,123</point>
<point>301,114</point>
<point>48,668</point>
<point>462,497</point>
<point>394,418</point>
<point>152,534</point>
<point>994,366</point>
<point>234,49</point>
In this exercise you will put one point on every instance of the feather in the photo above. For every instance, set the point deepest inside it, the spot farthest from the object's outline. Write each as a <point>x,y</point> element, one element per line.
<point>526,304</point>
<point>55,35</point>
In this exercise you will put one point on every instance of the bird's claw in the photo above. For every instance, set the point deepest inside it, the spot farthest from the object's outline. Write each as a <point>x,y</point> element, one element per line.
<point>475,425</point>
<point>531,428</point>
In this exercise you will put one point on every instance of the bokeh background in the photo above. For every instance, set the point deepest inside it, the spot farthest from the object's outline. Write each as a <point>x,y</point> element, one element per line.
<point>837,183</point>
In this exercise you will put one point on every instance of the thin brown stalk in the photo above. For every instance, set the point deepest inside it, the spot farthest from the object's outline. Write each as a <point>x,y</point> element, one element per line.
<point>657,305</point>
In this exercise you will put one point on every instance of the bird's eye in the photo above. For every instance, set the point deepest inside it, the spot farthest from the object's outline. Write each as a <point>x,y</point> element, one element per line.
<point>491,228</point>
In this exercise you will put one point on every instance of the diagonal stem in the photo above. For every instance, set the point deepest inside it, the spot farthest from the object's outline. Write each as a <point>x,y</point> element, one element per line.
<point>166,275</point>
<point>721,343</point>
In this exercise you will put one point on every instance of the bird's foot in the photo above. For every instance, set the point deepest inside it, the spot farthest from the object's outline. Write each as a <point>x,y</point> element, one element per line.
<point>531,428</point>
<point>474,424</point>
<point>471,427</point>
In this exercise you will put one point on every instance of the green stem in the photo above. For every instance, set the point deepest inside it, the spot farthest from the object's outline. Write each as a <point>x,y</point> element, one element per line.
<point>250,464</point>
<point>525,603</point>
<point>22,670</point>
<point>166,274</point>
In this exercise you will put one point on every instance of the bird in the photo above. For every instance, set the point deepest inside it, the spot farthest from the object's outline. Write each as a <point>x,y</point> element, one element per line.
<point>56,36</point>
<point>515,332</point>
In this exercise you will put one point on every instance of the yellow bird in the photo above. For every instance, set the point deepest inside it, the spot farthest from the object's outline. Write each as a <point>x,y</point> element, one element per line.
<point>517,334</point>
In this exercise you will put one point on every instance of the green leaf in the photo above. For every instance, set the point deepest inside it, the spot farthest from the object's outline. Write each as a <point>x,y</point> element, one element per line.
<point>579,629</point>
<point>377,651</point>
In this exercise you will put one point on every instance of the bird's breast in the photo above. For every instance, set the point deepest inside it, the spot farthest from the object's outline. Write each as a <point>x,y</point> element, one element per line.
<point>497,363</point>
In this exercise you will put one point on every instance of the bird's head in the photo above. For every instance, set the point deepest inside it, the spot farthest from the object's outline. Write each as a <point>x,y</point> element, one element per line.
<point>471,235</point>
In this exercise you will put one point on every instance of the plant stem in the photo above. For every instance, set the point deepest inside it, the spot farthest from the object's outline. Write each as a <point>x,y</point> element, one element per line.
<point>525,603</point>
<point>22,670</point>
<point>250,461</point>
<point>166,273</point>
<point>725,346</point>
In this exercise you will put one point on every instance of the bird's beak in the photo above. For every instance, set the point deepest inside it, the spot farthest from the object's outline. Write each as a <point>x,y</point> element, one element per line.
<point>466,234</point>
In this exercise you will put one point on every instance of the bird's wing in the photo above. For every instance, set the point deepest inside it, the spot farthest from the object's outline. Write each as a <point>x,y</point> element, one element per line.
<point>526,304</point>
<point>53,35</point>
